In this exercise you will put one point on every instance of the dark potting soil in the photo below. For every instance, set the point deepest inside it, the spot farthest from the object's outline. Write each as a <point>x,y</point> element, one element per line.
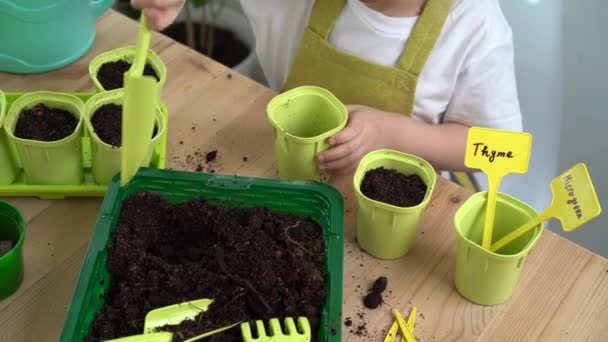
<point>111,74</point>
<point>255,263</point>
<point>5,247</point>
<point>43,123</point>
<point>373,299</point>
<point>227,48</point>
<point>392,187</point>
<point>210,156</point>
<point>107,123</point>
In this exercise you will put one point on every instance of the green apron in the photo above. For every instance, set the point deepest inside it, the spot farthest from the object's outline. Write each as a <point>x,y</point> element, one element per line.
<point>357,81</point>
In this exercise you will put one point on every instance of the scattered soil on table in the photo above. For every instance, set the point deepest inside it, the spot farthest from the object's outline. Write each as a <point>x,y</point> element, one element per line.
<point>227,48</point>
<point>43,123</point>
<point>348,322</point>
<point>111,74</point>
<point>255,263</point>
<point>107,123</point>
<point>6,246</point>
<point>373,299</point>
<point>210,156</point>
<point>392,187</point>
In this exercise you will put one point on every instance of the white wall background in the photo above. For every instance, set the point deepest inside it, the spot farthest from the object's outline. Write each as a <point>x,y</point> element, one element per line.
<point>562,74</point>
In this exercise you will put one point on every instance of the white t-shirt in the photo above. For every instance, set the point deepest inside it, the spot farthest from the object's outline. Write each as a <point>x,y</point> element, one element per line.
<point>469,77</point>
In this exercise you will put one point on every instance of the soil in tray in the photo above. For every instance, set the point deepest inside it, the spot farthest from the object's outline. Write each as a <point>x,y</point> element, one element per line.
<point>255,263</point>
<point>392,187</point>
<point>43,123</point>
<point>110,74</point>
<point>107,123</point>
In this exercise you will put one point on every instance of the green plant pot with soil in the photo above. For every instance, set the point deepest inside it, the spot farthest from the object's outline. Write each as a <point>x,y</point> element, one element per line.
<point>303,120</point>
<point>393,190</point>
<point>103,119</point>
<point>12,236</point>
<point>107,70</point>
<point>8,167</point>
<point>481,276</point>
<point>46,129</point>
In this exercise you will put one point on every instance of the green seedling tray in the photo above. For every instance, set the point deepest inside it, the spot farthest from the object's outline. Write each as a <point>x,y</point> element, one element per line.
<point>88,188</point>
<point>320,202</point>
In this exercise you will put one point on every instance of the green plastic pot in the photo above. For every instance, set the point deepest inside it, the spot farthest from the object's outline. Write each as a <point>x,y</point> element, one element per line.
<point>126,53</point>
<point>386,231</point>
<point>49,162</point>
<point>12,227</point>
<point>106,158</point>
<point>8,167</point>
<point>483,277</point>
<point>303,119</point>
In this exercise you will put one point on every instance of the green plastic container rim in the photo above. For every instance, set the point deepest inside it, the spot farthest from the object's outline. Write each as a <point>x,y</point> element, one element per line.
<point>510,201</point>
<point>218,189</point>
<point>397,156</point>
<point>74,103</point>
<point>115,96</point>
<point>20,223</point>
<point>126,53</point>
<point>2,108</point>
<point>280,99</point>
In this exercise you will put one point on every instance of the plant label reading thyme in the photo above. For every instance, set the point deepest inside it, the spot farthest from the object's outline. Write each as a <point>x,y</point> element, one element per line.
<point>497,151</point>
<point>575,197</point>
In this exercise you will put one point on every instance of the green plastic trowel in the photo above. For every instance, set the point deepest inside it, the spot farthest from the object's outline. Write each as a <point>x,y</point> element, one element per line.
<point>172,315</point>
<point>139,107</point>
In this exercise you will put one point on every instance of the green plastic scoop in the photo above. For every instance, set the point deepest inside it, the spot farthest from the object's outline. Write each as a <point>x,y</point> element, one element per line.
<point>173,315</point>
<point>139,107</point>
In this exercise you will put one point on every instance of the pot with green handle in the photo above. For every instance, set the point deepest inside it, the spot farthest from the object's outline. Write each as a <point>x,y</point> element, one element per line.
<point>106,158</point>
<point>127,54</point>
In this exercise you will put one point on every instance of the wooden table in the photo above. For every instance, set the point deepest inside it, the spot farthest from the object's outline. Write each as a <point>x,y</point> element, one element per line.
<point>562,295</point>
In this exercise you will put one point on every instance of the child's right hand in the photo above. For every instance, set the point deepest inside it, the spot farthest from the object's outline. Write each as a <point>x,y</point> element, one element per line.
<point>160,13</point>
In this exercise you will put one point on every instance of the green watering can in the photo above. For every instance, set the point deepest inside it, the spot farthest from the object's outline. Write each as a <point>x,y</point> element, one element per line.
<point>42,35</point>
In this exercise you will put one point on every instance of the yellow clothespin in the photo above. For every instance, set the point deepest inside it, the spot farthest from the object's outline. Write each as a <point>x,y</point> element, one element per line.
<point>407,329</point>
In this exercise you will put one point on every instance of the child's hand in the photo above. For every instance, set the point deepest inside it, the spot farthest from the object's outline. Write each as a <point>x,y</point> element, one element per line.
<point>160,13</point>
<point>362,135</point>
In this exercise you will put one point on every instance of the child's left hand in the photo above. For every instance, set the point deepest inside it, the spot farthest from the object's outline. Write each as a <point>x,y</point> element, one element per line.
<point>362,135</point>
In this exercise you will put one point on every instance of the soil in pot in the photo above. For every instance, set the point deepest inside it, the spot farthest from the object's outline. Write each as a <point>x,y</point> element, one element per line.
<point>43,123</point>
<point>110,74</point>
<point>392,187</point>
<point>6,246</point>
<point>227,48</point>
<point>255,263</point>
<point>107,123</point>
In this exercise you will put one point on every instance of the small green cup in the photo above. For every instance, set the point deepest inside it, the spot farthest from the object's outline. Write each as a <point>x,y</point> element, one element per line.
<point>303,119</point>
<point>106,158</point>
<point>484,277</point>
<point>8,167</point>
<point>49,162</point>
<point>126,53</point>
<point>386,231</point>
<point>12,228</point>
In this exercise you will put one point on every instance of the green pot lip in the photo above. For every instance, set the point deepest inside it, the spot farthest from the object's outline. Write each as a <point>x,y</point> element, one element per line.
<point>2,108</point>
<point>121,53</point>
<point>7,207</point>
<point>511,201</point>
<point>114,96</point>
<point>26,99</point>
<point>308,90</point>
<point>398,156</point>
